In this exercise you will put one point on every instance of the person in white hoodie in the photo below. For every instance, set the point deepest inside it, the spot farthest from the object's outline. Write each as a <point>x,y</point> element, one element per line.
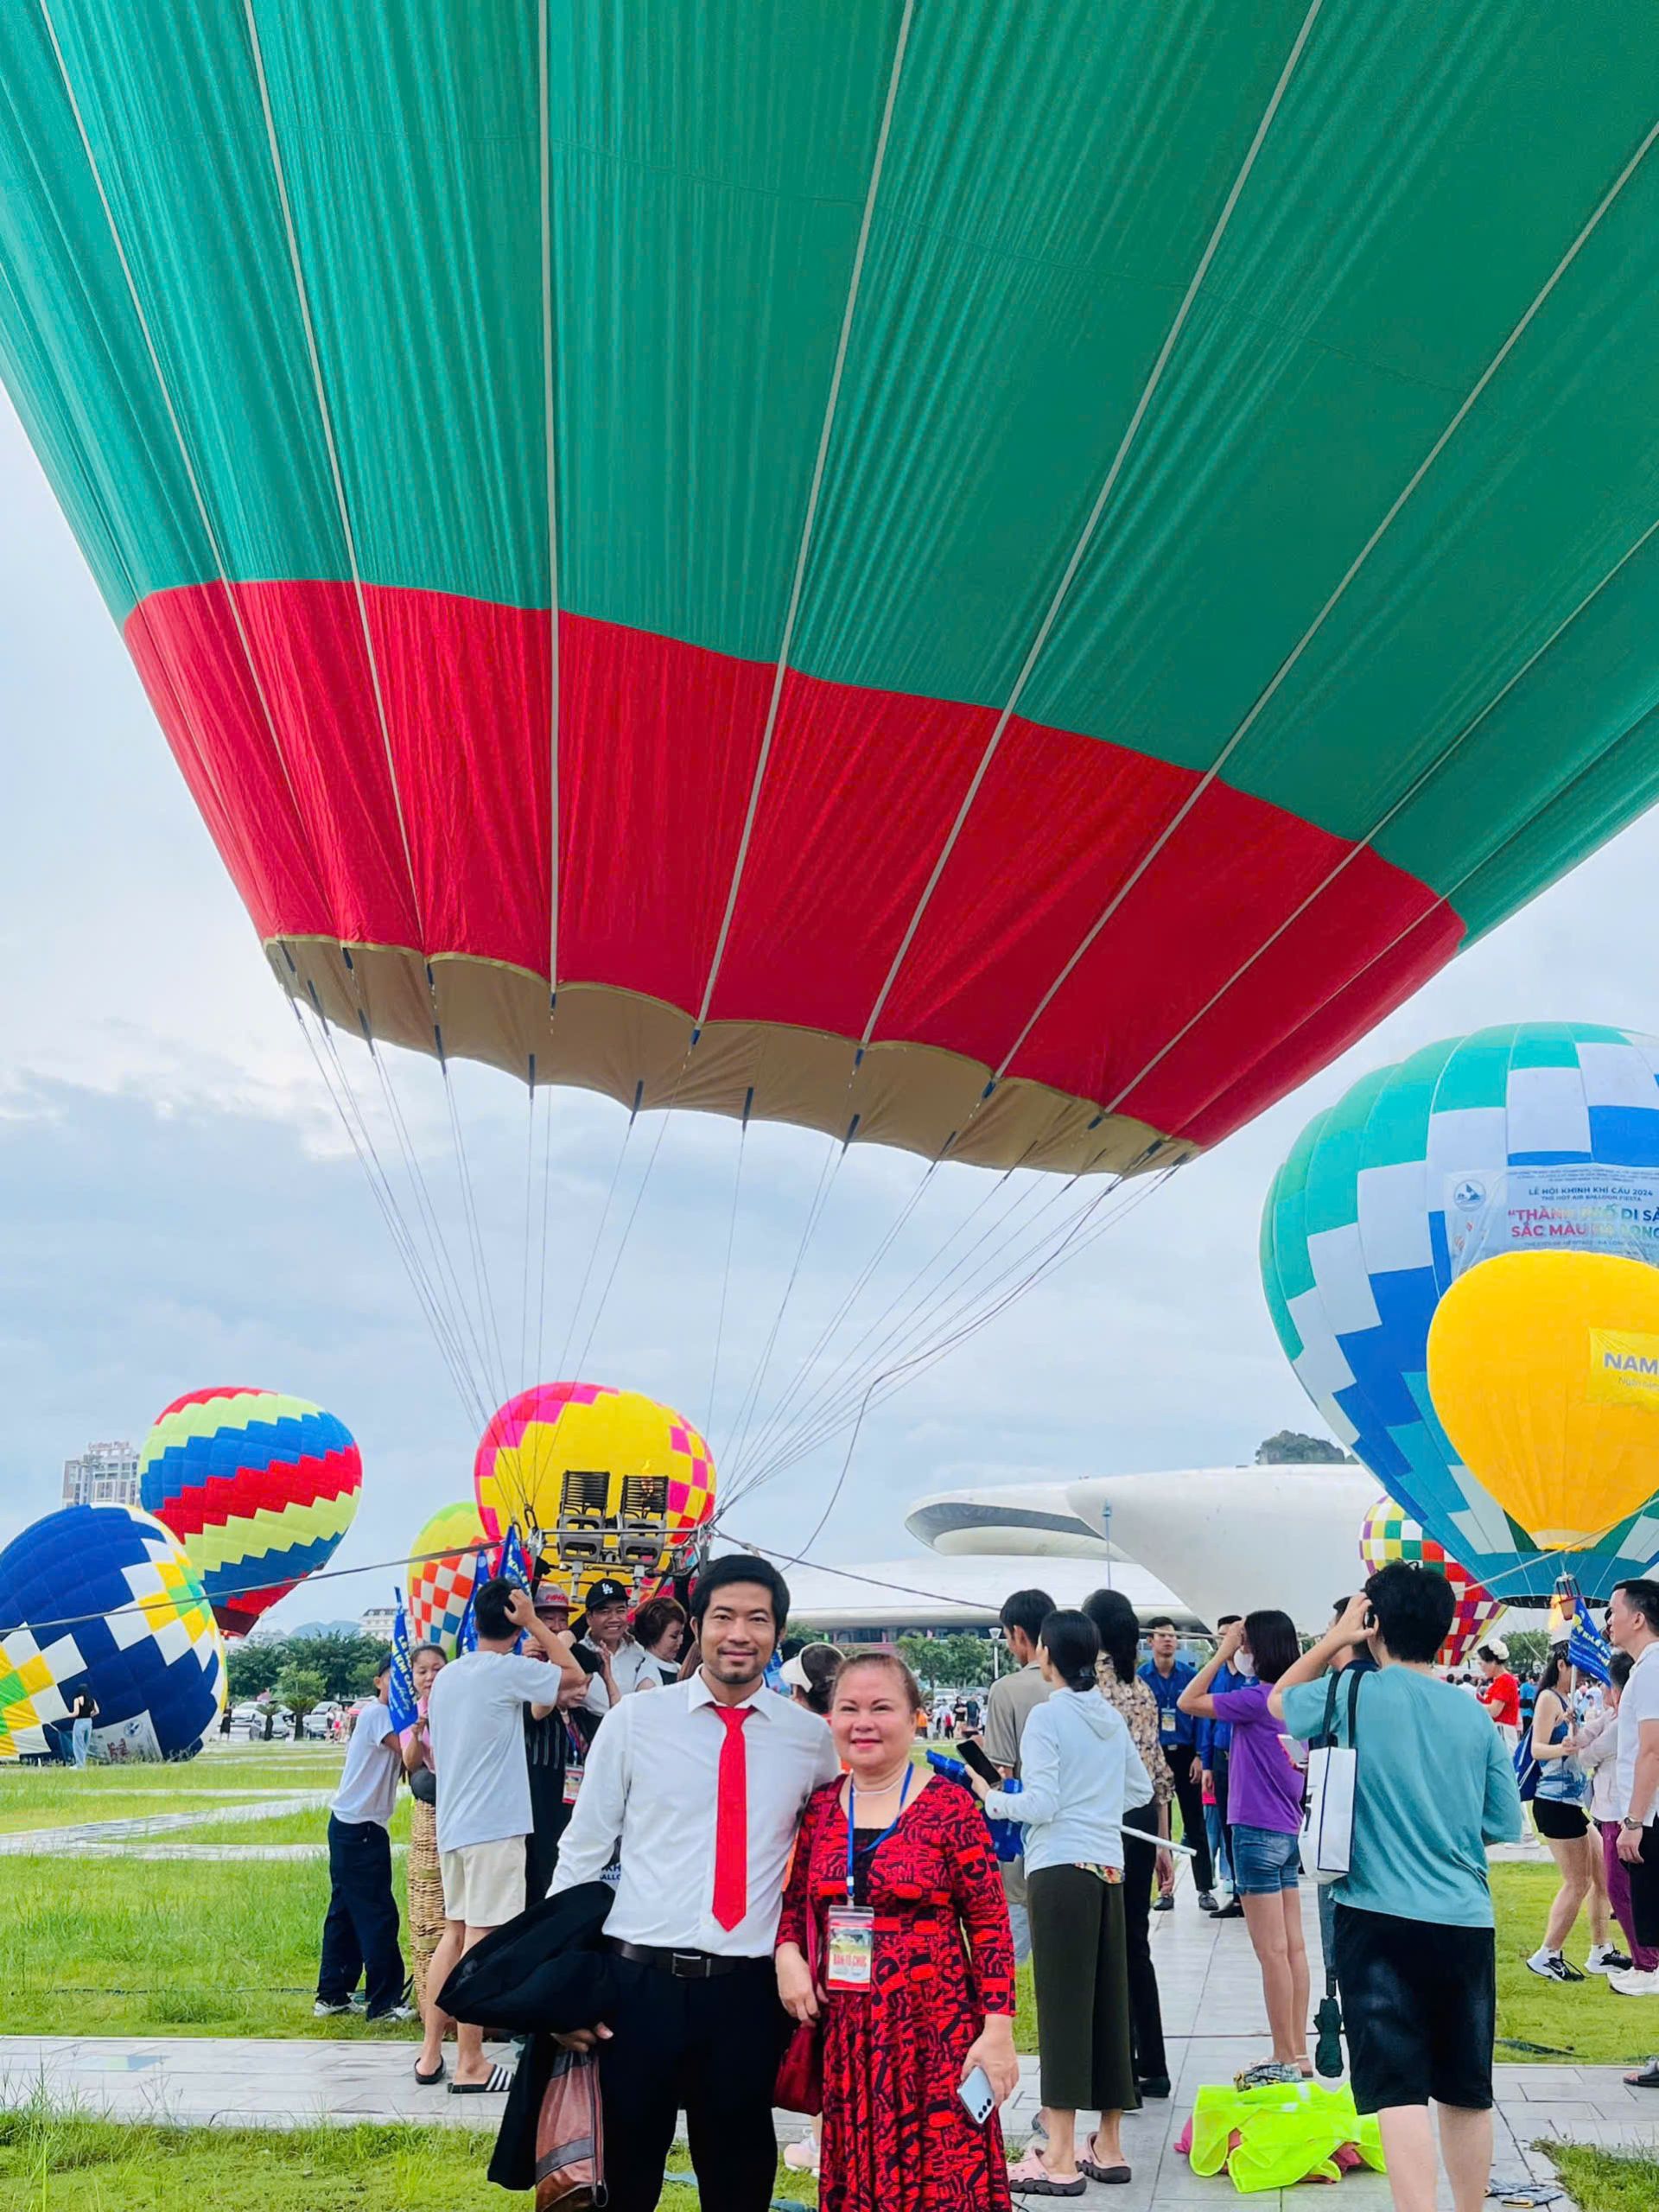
<point>1079,1773</point>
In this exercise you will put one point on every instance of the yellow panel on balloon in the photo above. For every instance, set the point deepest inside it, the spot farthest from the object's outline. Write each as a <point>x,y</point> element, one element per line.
<point>1544,1371</point>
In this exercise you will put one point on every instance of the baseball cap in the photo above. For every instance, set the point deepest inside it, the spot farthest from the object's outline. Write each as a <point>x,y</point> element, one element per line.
<point>551,1597</point>
<point>607,1591</point>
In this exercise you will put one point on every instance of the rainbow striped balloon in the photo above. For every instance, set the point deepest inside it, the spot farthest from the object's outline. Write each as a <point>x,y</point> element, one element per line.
<point>258,1488</point>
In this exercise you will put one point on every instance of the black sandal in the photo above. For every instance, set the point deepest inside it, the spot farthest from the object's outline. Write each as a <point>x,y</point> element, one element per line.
<point>430,2081</point>
<point>1648,2076</point>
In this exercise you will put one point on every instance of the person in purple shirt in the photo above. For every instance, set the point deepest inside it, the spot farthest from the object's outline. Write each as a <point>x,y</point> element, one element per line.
<point>1264,1813</point>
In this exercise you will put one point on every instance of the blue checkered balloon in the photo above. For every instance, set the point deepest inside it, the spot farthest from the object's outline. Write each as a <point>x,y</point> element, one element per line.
<point>103,1598</point>
<point>1356,1254</point>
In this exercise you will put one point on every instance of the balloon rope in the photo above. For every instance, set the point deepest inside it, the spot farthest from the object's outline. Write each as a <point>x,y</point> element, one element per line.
<point>474,1234</point>
<point>827,1175</point>
<point>355,1123</point>
<point>726,1273</point>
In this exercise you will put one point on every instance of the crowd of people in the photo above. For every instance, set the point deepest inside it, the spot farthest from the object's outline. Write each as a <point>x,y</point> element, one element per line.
<point>767,1865</point>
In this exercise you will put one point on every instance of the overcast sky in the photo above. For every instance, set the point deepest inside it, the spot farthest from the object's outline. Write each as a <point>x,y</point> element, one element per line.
<point>180,1207</point>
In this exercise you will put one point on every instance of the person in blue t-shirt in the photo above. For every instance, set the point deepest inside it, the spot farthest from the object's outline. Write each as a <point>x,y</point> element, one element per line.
<point>1177,1739</point>
<point>1433,1786</point>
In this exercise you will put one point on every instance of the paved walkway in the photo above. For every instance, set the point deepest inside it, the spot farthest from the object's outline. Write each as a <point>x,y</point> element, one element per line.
<point>1207,1973</point>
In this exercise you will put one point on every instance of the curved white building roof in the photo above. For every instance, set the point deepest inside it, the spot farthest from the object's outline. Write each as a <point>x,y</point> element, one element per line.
<point>1221,1540</point>
<point>926,1591</point>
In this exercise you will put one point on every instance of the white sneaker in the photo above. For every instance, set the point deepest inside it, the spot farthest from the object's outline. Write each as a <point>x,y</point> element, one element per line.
<point>1606,1958</point>
<point>1634,1983</point>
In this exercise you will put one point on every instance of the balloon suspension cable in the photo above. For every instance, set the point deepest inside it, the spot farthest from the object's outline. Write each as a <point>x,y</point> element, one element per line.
<point>474,1234</point>
<point>725,1272</point>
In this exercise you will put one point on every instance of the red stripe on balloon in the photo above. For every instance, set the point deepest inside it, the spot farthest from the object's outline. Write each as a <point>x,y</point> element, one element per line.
<point>225,1499</point>
<point>658,744</point>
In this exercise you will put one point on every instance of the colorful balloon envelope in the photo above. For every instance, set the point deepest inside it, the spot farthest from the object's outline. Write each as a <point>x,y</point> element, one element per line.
<point>962,557</point>
<point>103,1598</point>
<point>259,1488</point>
<point>610,1480</point>
<point>1518,1141</point>
<point>443,1561</point>
<point>1390,1534</point>
<point>1544,1370</point>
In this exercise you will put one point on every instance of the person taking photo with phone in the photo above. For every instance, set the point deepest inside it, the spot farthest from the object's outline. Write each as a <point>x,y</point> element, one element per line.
<point>1433,1787</point>
<point>895,1935</point>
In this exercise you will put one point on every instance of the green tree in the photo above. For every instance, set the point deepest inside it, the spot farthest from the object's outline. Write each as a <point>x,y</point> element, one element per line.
<point>345,1664</point>
<point>947,1662</point>
<point>1527,1648</point>
<point>301,1688</point>
<point>251,1669</point>
<point>1289,1447</point>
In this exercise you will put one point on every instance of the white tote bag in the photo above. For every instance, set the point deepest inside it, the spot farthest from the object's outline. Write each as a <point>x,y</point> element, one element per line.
<point>1332,1774</point>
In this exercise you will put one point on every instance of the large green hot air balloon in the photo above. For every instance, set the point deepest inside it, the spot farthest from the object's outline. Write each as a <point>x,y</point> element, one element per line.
<point>1094,546</point>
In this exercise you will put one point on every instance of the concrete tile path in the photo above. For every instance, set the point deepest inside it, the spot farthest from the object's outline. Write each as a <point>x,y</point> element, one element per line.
<point>1212,2008</point>
<point>101,1838</point>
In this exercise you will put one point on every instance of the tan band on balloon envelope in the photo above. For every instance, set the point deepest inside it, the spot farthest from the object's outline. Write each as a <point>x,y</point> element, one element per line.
<point>638,1051</point>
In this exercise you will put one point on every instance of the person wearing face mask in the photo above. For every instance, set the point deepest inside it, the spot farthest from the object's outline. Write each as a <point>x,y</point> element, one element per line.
<point>1265,1827</point>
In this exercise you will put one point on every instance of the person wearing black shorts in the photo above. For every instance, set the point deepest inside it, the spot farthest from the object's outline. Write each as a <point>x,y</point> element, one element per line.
<point>1560,1814</point>
<point>1415,1963</point>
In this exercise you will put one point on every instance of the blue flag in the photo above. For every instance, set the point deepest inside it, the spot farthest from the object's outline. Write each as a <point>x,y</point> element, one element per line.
<point>1588,1649</point>
<point>466,1634</point>
<point>511,1562</point>
<point>401,1696</point>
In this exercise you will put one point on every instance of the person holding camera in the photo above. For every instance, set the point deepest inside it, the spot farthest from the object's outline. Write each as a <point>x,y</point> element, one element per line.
<point>1433,1786</point>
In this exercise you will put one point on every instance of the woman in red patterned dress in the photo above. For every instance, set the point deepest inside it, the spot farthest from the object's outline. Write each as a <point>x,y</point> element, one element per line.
<point>920,1992</point>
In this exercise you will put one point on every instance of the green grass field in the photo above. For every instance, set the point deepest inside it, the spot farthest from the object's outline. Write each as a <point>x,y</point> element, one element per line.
<point>50,2163</point>
<point>1607,2181</point>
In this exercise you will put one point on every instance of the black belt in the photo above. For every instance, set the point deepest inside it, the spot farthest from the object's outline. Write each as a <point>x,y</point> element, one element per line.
<point>684,1966</point>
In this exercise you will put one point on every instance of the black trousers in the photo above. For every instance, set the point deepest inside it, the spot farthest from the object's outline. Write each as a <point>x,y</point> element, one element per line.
<point>711,2048</point>
<point>1189,1795</point>
<point>1145,2012</point>
<point>1644,1887</point>
<point>360,1931</point>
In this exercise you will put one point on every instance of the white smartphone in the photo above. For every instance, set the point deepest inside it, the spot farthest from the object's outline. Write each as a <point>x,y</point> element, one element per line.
<point>978,2096</point>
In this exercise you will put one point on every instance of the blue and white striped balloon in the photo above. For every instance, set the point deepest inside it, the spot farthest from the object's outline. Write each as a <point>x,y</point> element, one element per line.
<point>1355,1255</point>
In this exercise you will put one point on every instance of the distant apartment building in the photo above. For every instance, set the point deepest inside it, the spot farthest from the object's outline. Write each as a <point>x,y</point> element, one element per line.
<point>378,1622</point>
<point>105,1474</point>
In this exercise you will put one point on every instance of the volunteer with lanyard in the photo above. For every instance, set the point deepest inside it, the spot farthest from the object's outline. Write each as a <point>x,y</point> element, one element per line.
<point>895,1935</point>
<point>1166,1676</point>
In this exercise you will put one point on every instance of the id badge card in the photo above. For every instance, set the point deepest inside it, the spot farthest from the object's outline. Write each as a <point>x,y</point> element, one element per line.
<point>572,1785</point>
<point>850,1941</point>
<point>1166,1720</point>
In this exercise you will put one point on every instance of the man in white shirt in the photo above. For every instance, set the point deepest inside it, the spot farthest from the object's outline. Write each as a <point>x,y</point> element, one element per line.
<point>360,1933</point>
<point>1633,1624</point>
<point>614,1660</point>
<point>702,1787</point>
<point>475,1719</point>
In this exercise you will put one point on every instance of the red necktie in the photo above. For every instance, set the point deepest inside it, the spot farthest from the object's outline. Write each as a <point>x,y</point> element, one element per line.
<point>732,1819</point>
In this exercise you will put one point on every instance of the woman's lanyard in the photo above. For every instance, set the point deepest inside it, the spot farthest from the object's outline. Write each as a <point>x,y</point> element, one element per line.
<point>852,1823</point>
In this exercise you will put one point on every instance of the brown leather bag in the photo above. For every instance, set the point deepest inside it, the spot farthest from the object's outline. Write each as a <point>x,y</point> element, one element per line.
<point>571,2136</point>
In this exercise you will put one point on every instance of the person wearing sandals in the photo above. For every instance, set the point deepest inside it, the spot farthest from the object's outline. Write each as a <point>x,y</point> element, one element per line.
<point>1264,1805</point>
<point>1433,1787</point>
<point>1144,1827</point>
<point>1079,1772</point>
<point>894,1892</point>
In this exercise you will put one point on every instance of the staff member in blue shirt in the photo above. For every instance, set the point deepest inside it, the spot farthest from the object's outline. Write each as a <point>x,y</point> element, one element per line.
<point>1168,1676</point>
